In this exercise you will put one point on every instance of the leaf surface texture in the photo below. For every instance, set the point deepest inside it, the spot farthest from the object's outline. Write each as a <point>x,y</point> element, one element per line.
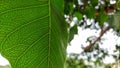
<point>33,33</point>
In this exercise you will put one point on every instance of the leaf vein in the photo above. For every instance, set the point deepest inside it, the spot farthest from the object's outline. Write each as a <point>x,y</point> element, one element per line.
<point>17,44</point>
<point>16,29</point>
<point>42,61</point>
<point>37,58</point>
<point>24,52</point>
<point>21,8</point>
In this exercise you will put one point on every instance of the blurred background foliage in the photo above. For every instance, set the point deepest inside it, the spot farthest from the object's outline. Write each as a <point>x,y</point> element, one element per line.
<point>102,12</point>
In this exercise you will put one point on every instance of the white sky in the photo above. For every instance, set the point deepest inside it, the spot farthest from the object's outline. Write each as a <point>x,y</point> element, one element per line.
<point>3,61</point>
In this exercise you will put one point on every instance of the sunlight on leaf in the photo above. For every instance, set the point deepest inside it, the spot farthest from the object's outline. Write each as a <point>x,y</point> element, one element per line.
<point>33,33</point>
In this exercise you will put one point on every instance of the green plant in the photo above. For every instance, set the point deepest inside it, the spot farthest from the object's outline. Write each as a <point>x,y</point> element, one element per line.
<point>33,33</point>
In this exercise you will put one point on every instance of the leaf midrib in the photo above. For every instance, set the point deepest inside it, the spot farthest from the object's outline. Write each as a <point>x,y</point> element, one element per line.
<point>49,3</point>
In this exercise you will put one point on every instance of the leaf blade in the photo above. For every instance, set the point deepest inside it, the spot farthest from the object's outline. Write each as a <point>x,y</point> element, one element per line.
<point>33,37</point>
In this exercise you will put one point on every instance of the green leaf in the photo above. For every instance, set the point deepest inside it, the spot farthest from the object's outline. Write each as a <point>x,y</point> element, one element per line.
<point>78,15</point>
<point>90,12</point>
<point>118,4</point>
<point>111,21</point>
<point>94,2</point>
<point>101,18</point>
<point>73,31</point>
<point>68,8</point>
<point>33,33</point>
<point>117,21</point>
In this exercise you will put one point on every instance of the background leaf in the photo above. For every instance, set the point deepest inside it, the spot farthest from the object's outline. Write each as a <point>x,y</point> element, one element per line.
<point>33,33</point>
<point>101,18</point>
<point>94,2</point>
<point>89,11</point>
<point>73,31</point>
<point>78,15</point>
<point>117,21</point>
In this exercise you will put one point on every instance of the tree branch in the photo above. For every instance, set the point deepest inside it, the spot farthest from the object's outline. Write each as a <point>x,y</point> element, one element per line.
<point>103,31</point>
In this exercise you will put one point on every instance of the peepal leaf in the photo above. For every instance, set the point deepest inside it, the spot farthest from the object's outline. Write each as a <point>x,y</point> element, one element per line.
<point>33,33</point>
